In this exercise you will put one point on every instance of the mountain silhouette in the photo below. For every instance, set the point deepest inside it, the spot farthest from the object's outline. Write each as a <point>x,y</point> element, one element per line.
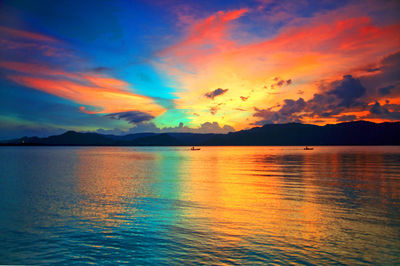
<point>349,133</point>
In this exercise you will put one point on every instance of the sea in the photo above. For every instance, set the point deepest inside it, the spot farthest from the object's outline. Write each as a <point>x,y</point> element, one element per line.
<point>214,206</point>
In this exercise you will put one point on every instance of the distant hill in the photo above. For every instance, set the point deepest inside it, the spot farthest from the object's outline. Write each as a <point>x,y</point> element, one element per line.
<point>350,133</point>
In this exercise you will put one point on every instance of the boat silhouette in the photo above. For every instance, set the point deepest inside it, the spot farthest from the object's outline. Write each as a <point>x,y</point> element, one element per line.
<point>195,149</point>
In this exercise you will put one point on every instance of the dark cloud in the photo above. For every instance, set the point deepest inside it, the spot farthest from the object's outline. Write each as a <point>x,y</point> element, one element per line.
<point>290,106</point>
<point>346,118</point>
<point>132,117</point>
<point>335,98</point>
<point>391,60</point>
<point>373,69</point>
<point>272,117</point>
<point>323,105</point>
<point>215,93</point>
<point>286,114</point>
<point>386,90</point>
<point>387,111</point>
<point>378,109</point>
<point>348,90</point>
<point>244,98</point>
<point>380,83</point>
<point>280,82</point>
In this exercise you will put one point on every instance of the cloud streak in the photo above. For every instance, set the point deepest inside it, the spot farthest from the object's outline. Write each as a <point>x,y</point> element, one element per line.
<point>215,93</point>
<point>132,117</point>
<point>95,89</point>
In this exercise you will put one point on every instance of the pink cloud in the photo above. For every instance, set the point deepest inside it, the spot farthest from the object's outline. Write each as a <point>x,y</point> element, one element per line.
<point>26,34</point>
<point>210,31</point>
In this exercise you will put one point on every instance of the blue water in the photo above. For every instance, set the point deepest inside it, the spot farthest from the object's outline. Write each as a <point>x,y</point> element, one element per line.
<point>219,205</point>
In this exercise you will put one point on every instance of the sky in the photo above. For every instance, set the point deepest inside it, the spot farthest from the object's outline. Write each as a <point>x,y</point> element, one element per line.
<point>120,67</point>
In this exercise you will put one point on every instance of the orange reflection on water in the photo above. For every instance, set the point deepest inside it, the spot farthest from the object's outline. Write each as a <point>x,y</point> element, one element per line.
<point>109,178</point>
<point>246,196</point>
<point>219,205</point>
<point>246,193</point>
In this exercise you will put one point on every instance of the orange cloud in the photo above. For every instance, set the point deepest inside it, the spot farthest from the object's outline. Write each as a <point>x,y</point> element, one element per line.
<point>209,57</point>
<point>110,100</point>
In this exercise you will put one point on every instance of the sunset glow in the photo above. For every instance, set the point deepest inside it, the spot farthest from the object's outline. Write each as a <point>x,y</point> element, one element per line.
<point>182,66</point>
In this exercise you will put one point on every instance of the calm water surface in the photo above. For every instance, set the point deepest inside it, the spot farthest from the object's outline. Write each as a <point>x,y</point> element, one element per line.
<point>219,205</point>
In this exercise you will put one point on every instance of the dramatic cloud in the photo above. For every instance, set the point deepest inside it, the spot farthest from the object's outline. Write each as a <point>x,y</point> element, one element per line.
<point>348,90</point>
<point>290,106</point>
<point>385,83</point>
<point>283,61</point>
<point>343,100</point>
<point>320,48</point>
<point>132,117</point>
<point>215,93</point>
<point>286,114</point>
<point>387,111</point>
<point>339,96</point>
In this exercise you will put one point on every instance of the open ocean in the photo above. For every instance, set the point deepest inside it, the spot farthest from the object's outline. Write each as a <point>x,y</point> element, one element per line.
<point>219,205</point>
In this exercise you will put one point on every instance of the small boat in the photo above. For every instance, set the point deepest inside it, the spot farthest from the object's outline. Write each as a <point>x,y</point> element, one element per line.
<point>308,148</point>
<point>195,149</point>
